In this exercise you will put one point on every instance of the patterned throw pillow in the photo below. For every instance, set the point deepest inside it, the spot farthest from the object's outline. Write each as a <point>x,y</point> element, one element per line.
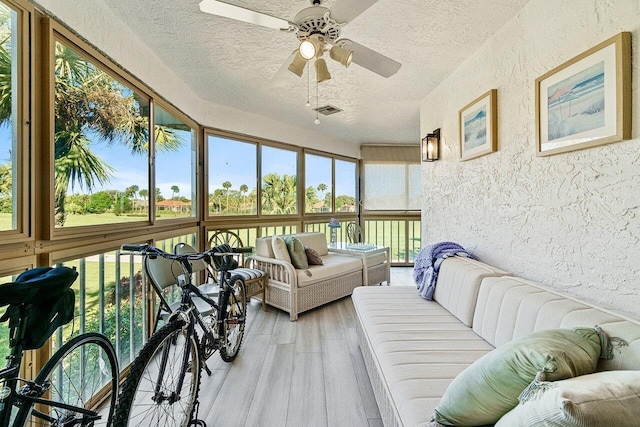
<point>610,398</point>
<point>296,252</point>
<point>312,256</point>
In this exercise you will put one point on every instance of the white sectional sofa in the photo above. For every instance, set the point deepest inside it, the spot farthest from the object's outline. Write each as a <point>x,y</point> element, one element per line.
<point>296,291</point>
<point>413,348</point>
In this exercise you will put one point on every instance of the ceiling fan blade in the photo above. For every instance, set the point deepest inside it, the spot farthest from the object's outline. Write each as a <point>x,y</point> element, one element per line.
<point>283,76</point>
<point>346,10</point>
<point>370,59</point>
<point>238,13</point>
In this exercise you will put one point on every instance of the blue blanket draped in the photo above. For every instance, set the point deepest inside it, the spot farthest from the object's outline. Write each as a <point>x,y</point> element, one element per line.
<point>427,265</point>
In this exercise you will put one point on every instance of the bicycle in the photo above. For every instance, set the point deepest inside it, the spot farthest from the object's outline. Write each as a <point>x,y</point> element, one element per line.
<point>66,391</point>
<point>163,384</point>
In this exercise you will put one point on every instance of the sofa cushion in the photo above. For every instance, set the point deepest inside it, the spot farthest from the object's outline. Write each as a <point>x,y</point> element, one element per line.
<point>510,307</point>
<point>490,387</point>
<point>312,256</point>
<point>410,336</point>
<point>296,252</point>
<point>609,398</point>
<point>280,250</point>
<point>333,266</point>
<point>317,241</point>
<point>458,284</point>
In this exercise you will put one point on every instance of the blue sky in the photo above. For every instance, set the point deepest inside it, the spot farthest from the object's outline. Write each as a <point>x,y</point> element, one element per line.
<point>173,168</point>
<point>236,163</point>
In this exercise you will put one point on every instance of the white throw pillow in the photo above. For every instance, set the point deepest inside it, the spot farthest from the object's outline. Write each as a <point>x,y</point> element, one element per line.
<point>610,398</point>
<point>280,249</point>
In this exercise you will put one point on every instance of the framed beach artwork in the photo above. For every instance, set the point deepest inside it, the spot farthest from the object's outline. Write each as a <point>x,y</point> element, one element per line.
<point>587,100</point>
<point>478,125</point>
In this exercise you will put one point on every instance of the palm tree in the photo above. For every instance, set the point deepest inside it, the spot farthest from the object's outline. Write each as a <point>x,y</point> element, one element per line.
<point>322,188</point>
<point>6,183</point>
<point>174,190</point>
<point>144,193</point>
<point>89,101</point>
<point>227,185</point>
<point>6,84</point>
<point>279,194</point>
<point>131,192</point>
<point>243,190</point>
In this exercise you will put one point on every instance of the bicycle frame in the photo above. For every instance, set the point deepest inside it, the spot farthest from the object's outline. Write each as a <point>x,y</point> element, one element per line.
<point>193,316</point>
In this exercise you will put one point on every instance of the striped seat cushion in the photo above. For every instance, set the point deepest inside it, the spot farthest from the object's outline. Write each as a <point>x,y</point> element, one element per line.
<point>248,273</point>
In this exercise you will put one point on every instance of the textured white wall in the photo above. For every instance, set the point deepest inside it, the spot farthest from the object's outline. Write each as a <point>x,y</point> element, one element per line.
<point>100,27</point>
<point>570,221</point>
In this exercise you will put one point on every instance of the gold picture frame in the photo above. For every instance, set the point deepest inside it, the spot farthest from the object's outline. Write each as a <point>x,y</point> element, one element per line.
<point>586,101</point>
<point>478,126</point>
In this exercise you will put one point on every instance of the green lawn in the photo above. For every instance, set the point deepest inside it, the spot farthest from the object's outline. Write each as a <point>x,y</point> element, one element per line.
<point>94,219</point>
<point>91,272</point>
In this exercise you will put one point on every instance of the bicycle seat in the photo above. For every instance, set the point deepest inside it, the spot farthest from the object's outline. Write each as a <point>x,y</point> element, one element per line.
<point>37,285</point>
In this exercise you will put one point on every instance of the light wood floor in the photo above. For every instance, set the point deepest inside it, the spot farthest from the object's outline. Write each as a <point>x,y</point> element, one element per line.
<point>304,373</point>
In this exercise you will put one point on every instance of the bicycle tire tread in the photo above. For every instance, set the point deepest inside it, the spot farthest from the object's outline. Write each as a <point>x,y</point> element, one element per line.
<point>223,351</point>
<point>76,342</point>
<point>130,385</point>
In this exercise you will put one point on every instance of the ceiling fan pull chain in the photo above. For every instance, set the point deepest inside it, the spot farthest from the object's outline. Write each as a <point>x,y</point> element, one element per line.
<point>317,120</point>
<point>308,105</point>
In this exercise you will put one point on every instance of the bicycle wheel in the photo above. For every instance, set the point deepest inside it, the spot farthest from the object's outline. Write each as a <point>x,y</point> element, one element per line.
<point>233,313</point>
<point>149,394</point>
<point>77,374</point>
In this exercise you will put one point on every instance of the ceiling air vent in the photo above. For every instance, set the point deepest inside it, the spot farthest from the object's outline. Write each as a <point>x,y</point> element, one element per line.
<point>327,110</point>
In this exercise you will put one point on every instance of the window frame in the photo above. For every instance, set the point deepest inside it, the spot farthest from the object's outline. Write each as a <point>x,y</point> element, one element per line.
<point>333,158</point>
<point>52,33</point>
<point>406,187</point>
<point>206,190</point>
<point>196,175</point>
<point>24,229</point>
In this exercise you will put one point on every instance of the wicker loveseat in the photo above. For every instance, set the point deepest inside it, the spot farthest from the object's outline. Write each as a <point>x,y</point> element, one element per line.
<point>296,291</point>
<point>413,348</point>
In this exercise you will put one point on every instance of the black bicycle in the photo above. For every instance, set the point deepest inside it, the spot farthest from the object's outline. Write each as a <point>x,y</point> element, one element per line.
<point>73,382</point>
<point>164,381</point>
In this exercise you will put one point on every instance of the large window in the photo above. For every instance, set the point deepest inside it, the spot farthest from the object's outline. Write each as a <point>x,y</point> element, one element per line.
<point>175,166</point>
<point>9,160</point>
<point>391,187</point>
<point>279,181</point>
<point>101,144</point>
<point>318,183</point>
<point>232,177</point>
<point>321,184</point>
<point>345,186</point>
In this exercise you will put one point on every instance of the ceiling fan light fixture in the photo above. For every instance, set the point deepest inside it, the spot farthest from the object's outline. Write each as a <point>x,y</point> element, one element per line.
<point>309,48</point>
<point>322,72</point>
<point>341,55</point>
<point>297,65</point>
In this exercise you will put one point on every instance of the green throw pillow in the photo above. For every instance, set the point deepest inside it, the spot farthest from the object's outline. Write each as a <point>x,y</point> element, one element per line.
<point>297,253</point>
<point>490,387</point>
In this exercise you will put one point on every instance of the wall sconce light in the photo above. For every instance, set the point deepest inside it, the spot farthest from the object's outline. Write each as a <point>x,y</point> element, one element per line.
<point>430,146</point>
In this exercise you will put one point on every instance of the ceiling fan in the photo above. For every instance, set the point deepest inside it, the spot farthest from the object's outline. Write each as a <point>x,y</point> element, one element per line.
<point>318,29</point>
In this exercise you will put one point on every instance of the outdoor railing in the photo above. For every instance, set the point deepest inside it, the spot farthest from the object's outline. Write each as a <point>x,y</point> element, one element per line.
<point>111,298</point>
<point>401,235</point>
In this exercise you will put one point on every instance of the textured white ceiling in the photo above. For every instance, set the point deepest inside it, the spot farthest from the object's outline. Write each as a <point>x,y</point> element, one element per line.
<point>232,63</point>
